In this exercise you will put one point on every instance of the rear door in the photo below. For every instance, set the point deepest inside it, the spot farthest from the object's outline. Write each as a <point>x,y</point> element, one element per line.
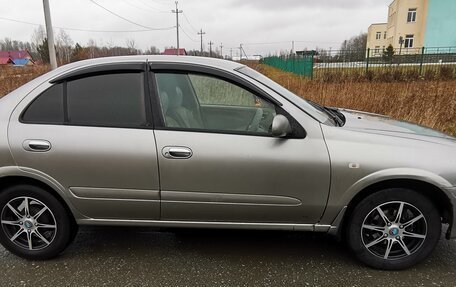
<point>218,160</point>
<point>91,133</point>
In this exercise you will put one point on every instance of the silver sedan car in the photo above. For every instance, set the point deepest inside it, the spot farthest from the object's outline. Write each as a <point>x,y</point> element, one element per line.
<point>204,143</point>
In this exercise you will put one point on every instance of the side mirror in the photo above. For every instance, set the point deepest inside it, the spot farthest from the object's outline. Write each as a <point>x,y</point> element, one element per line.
<point>280,126</point>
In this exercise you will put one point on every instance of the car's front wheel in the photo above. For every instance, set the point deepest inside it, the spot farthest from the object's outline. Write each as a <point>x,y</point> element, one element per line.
<point>394,229</point>
<point>34,224</point>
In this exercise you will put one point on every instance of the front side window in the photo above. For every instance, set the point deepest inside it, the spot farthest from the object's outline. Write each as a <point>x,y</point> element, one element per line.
<point>111,100</point>
<point>202,102</point>
<point>411,15</point>
<point>408,41</point>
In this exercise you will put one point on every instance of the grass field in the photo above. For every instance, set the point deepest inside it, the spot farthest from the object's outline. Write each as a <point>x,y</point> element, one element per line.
<point>14,77</point>
<point>430,103</point>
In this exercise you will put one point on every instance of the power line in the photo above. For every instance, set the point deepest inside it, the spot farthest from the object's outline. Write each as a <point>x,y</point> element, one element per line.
<point>123,18</point>
<point>286,42</point>
<point>265,43</point>
<point>188,21</point>
<point>155,8</point>
<point>188,36</point>
<point>142,9</point>
<point>83,30</point>
<point>317,42</point>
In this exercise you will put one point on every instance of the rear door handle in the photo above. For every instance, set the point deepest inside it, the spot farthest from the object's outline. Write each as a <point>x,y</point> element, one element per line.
<point>37,145</point>
<point>175,152</point>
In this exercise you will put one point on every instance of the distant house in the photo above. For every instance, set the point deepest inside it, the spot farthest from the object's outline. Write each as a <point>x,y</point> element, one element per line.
<point>23,62</point>
<point>182,52</point>
<point>18,58</point>
<point>5,61</point>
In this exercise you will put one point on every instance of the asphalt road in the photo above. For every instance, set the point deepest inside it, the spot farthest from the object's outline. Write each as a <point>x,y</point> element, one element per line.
<point>150,257</point>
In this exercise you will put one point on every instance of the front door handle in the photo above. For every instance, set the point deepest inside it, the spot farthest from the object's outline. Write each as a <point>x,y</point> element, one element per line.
<point>175,152</point>
<point>37,145</point>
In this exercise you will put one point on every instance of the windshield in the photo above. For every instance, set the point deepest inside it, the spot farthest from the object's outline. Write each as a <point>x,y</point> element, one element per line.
<point>318,114</point>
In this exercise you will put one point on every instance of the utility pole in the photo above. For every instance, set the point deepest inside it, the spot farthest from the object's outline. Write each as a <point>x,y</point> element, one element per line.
<point>240,52</point>
<point>231,54</point>
<point>292,47</point>
<point>177,12</point>
<point>50,34</point>
<point>201,33</point>
<point>210,48</point>
<point>221,49</point>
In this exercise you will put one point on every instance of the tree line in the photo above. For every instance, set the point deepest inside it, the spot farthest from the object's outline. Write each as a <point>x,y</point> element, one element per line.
<point>67,51</point>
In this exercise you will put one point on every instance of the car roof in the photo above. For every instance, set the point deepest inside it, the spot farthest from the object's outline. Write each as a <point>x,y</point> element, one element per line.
<point>22,91</point>
<point>204,61</point>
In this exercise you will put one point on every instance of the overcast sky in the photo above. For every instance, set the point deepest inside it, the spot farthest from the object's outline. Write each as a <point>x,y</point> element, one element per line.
<point>311,23</point>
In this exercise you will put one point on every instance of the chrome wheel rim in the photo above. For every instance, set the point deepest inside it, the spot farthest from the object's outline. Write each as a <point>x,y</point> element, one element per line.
<point>28,223</point>
<point>394,230</point>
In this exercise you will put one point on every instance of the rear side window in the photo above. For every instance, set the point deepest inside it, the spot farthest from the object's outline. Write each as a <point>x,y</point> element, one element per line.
<point>111,100</point>
<point>46,108</point>
<point>107,100</point>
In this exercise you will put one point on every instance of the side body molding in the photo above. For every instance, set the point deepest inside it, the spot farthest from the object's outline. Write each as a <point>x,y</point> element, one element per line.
<point>18,171</point>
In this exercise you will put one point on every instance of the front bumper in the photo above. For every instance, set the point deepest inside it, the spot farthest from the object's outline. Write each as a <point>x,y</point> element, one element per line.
<point>451,231</point>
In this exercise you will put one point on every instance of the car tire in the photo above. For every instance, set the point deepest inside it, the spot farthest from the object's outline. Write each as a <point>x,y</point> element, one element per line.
<point>394,229</point>
<point>33,224</point>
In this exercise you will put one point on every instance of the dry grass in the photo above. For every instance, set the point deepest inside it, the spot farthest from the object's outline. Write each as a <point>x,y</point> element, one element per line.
<point>430,103</point>
<point>12,78</point>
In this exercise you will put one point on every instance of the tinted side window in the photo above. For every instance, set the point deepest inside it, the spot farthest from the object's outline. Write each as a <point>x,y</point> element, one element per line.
<point>107,100</point>
<point>47,108</point>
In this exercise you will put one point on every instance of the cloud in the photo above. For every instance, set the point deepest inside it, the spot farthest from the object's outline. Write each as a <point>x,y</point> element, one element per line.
<point>322,23</point>
<point>311,4</point>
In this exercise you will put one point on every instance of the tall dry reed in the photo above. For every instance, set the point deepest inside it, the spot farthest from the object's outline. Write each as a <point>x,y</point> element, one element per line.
<point>429,103</point>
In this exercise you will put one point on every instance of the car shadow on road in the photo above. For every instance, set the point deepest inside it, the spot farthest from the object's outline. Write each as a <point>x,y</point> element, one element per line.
<point>226,244</point>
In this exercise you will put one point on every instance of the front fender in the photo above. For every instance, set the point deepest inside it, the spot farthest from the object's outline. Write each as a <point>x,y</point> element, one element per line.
<point>338,199</point>
<point>391,174</point>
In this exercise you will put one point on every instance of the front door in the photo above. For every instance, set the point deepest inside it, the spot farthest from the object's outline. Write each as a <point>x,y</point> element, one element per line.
<point>219,162</point>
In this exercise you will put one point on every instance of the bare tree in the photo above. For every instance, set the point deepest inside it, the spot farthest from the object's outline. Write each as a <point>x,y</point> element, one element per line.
<point>64,47</point>
<point>355,43</point>
<point>6,44</point>
<point>354,49</point>
<point>92,48</point>
<point>152,51</point>
<point>131,45</point>
<point>38,37</point>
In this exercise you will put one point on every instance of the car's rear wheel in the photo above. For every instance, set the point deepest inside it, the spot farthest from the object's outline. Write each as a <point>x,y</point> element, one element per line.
<point>34,224</point>
<point>394,229</point>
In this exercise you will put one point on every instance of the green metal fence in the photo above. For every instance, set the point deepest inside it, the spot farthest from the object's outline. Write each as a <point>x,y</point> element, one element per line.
<point>298,65</point>
<point>392,64</point>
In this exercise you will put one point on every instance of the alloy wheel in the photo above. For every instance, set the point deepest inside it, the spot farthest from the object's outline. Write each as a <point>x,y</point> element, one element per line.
<point>394,230</point>
<point>28,223</point>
